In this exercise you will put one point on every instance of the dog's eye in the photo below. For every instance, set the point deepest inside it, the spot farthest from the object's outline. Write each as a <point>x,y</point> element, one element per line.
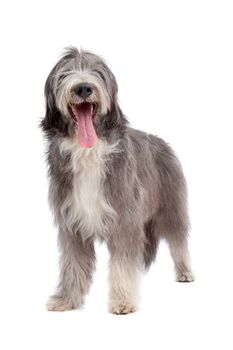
<point>102,76</point>
<point>99,74</point>
<point>61,77</point>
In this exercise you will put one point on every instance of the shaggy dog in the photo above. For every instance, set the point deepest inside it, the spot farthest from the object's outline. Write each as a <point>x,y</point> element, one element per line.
<point>107,182</point>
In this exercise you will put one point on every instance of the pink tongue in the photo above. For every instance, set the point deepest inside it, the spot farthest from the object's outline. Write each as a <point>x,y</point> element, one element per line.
<point>86,132</point>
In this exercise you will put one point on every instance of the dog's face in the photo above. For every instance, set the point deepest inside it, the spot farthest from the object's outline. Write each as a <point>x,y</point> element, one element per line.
<point>81,96</point>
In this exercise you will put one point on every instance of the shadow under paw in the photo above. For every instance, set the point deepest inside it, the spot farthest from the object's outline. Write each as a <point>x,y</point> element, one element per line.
<point>185,277</point>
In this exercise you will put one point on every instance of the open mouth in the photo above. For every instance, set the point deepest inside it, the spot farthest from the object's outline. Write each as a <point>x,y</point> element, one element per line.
<point>83,114</point>
<point>83,108</point>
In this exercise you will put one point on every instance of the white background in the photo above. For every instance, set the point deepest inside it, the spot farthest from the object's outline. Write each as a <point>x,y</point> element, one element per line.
<point>174,65</point>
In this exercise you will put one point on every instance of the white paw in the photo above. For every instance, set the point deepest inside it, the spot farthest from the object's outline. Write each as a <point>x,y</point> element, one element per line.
<point>185,277</point>
<point>122,307</point>
<point>56,303</point>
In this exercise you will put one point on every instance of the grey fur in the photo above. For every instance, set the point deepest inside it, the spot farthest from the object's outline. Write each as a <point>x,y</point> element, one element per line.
<point>142,182</point>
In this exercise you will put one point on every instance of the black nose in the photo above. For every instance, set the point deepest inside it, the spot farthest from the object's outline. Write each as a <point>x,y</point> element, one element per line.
<point>83,90</point>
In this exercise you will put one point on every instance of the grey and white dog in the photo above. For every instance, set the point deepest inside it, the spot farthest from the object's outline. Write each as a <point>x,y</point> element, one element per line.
<point>107,182</point>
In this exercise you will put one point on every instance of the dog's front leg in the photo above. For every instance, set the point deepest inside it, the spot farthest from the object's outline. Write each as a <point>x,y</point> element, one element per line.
<point>125,271</point>
<point>77,262</point>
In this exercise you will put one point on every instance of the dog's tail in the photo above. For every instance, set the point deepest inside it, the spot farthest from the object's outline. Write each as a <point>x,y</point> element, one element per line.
<point>151,244</point>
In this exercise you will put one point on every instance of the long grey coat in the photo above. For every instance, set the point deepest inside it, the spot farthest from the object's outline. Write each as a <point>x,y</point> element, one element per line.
<point>127,190</point>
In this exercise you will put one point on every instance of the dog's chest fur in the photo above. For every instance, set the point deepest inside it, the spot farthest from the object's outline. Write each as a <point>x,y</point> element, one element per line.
<point>86,208</point>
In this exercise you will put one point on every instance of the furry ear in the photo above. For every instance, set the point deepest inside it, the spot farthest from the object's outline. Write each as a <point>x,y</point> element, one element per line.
<point>53,122</point>
<point>116,114</point>
<point>115,119</point>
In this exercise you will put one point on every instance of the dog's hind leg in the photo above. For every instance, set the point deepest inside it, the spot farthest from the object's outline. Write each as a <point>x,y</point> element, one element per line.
<point>77,262</point>
<point>176,226</point>
<point>180,255</point>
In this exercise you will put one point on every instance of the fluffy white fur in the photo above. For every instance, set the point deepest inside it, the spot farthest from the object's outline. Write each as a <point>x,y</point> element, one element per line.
<point>124,278</point>
<point>87,203</point>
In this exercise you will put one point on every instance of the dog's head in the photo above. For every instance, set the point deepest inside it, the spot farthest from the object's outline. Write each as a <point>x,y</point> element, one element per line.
<point>81,97</point>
